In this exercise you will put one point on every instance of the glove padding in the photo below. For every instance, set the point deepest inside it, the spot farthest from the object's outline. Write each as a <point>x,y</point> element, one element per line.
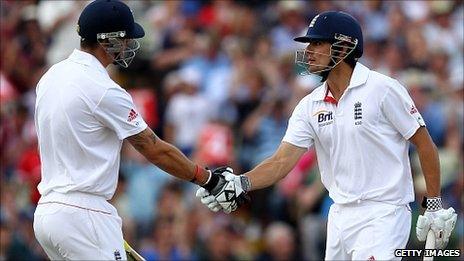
<point>441,222</point>
<point>208,200</point>
<point>205,196</point>
<point>233,194</point>
<point>228,192</point>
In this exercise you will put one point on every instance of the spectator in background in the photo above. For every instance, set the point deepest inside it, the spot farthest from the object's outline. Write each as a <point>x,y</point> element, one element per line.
<point>145,183</point>
<point>375,21</point>
<point>392,62</point>
<point>121,202</point>
<point>280,243</point>
<point>266,125</point>
<point>5,242</point>
<point>168,239</point>
<point>215,146</point>
<point>418,48</point>
<point>213,65</point>
<point>302,187</point>
<point>58,18</point>
<point>165,241</point>
<point>187,112</point>
<point>248,88</point>
<point>291,23</point>
<point>173,39</point>
<point>420,85</point>
<point>219,241</point>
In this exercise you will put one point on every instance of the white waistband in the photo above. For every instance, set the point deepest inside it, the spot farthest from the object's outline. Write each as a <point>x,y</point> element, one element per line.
<point>365,203</point>
<point>79,199</point>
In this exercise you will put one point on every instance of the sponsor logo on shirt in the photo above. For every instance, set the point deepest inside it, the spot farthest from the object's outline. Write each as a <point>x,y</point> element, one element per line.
<point>324,117</point>
<point>371,258</point>
<point>413,109</point>
<point>132,115</point>
<point>358,113</point>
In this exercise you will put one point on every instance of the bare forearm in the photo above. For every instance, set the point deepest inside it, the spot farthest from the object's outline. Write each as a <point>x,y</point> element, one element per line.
<point>430,165</point>
<point>276,167</point>
<point>267,173</point>
<point>167,157</point>
<point>171,160</point>
<point>429,161</point>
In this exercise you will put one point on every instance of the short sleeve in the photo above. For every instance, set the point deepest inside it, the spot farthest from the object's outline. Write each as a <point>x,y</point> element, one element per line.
<point>399,109</point>
<point>117,111</point>
<point>299,131</point>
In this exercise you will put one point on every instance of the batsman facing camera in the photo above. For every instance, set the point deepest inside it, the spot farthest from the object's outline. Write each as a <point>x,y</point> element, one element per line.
<point>379,134</point>
<point>225,191</point>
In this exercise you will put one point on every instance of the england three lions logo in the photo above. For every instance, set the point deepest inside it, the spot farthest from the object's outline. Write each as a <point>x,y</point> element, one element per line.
<point>358,113</point>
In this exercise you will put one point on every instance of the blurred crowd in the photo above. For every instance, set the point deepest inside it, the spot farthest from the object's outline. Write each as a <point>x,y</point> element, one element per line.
<point>217,79</point>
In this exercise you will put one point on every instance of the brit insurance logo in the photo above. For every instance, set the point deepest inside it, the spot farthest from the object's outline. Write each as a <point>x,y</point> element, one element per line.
<point>324,117</point>
<point>358,113</point>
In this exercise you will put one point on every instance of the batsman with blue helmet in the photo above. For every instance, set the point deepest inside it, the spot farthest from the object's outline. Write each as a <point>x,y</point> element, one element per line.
<point>361,123</point>
<point>82,117</point>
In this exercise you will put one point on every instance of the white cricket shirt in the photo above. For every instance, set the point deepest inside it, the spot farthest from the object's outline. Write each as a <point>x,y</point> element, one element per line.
<point>361,142</point>
<point>82,117</point>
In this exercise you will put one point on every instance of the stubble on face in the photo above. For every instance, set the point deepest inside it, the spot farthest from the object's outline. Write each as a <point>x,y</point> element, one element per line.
<point>318,55</point>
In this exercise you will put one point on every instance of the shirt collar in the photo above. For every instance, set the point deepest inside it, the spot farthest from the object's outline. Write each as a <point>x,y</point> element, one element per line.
<point>358,78</point>
<point>86,59</point>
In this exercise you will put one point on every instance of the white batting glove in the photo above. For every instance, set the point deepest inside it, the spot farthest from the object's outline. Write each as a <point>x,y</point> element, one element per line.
<point>208,200</point>
<point>234,193</point>
<point>440,221</point>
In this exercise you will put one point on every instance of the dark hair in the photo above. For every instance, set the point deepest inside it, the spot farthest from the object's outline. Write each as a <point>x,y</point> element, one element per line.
<point>88,44</point>
<point>351,60</point>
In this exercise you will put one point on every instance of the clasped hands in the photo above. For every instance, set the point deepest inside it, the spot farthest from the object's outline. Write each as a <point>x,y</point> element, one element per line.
<point>228,194</point>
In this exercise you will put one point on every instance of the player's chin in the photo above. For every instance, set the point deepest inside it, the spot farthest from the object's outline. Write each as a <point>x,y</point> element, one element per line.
<point>315,68</point>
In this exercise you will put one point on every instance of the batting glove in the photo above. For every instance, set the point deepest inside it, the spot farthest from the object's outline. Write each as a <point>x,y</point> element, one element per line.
<point>206,192</point>
<point>208,200</point>
<point>229,191</point>
<point>234,193</point>
<point>440,221</point>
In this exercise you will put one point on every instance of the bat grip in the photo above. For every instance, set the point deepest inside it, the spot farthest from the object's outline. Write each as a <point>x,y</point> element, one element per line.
<point>429,244</point>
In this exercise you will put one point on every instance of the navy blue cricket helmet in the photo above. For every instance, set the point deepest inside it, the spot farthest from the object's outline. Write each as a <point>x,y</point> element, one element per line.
<point>332,26</point>
<point>108,16</point>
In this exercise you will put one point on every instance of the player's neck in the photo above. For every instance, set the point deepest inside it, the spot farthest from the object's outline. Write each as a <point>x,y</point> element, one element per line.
<point>100,54</point>
<point>339,79</point>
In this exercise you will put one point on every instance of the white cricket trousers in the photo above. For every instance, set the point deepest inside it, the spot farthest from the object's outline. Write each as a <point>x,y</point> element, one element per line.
<point>78,226</point>
<point>367,230</point>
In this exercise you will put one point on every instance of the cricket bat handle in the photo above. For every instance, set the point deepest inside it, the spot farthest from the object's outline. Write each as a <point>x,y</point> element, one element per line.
<point>429,244</point>
<point>131,253</point>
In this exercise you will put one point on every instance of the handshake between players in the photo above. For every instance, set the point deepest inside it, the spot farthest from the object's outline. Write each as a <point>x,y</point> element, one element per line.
<point>229,192</point>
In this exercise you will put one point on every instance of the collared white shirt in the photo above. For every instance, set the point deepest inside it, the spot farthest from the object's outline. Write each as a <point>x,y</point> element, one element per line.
<point>362,141</point>
<point>82,117</point>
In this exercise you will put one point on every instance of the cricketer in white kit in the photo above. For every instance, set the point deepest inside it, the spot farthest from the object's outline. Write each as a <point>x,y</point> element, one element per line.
<point>82,118</point>
<point>360,123</point>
